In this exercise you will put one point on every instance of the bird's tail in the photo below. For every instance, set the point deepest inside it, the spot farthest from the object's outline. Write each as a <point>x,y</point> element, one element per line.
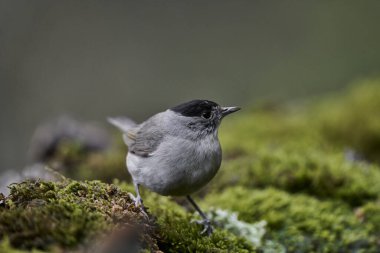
<point>123,123</point>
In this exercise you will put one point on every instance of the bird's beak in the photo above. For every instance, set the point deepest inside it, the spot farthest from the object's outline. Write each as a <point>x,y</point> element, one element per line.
<point>228,110</point>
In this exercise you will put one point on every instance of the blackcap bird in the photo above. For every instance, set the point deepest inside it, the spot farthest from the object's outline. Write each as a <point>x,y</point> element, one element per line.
<point>175,152</point>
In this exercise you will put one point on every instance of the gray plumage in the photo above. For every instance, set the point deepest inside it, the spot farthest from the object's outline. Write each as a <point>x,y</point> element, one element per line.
<point>168,158</point>
<point>175,152</point>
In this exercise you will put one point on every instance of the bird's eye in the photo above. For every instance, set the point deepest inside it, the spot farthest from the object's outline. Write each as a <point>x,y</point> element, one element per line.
<point>206,115</point>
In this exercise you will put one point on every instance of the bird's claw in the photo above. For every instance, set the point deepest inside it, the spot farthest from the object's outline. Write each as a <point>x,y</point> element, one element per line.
<point>136,200</point>
<point>207,227</point>
<point>139,204</point>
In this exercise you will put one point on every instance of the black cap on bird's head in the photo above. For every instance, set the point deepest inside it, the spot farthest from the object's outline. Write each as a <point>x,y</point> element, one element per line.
<point>205,109</point>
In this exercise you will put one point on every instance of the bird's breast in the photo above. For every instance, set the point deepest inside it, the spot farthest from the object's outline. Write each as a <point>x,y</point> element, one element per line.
<point>178,166</point>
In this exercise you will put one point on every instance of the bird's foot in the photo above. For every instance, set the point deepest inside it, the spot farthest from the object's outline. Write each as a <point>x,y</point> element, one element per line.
<point>139,204</point>
<point>207,227</point>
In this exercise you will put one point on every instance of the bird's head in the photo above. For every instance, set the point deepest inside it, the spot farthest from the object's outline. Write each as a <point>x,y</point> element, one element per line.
<point>203,115</point>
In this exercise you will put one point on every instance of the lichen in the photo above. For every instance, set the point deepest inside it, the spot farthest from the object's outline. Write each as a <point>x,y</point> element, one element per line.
<point>228,220</point>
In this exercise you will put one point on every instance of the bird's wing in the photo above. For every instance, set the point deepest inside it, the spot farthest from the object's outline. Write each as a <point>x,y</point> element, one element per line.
<point>145,139</point>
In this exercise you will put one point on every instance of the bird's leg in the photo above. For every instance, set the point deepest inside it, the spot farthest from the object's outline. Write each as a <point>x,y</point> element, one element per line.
<point>138,200</point>
<point>205,221</point>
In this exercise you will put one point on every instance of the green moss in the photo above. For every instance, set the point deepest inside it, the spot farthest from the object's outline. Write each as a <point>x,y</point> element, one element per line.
<point>330,177</point>
<point>74,161</point>
<point>179,235</point>
<point>301,223</point>
<point>349,119</point>
<point>5,247</point>
<point>370,214</point>
<point>65,215</point>
<point>43,214</point>
<point>286,165</point>
<point>286,128</point>
<point>303,149</point>
<point>352,120</point>
<point>177,232</point>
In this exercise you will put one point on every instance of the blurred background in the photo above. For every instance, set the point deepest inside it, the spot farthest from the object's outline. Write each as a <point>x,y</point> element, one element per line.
<point>91,59</point>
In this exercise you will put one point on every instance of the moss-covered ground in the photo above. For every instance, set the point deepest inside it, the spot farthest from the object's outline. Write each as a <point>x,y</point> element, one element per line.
<point>309,172</point>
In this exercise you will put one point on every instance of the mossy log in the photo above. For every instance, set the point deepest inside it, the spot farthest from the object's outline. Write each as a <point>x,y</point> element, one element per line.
<point>310,172</point>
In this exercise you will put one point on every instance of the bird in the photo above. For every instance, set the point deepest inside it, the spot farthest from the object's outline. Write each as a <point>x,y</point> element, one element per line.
<point>175,152</point>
